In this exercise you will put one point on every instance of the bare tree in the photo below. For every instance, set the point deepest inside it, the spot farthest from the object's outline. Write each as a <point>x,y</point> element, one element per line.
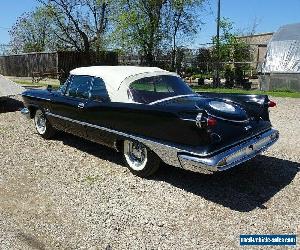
<point>100,12</point>
<point>80,24</point>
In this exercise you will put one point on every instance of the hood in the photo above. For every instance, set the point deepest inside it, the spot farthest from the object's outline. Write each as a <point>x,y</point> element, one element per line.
<point>39,93</point>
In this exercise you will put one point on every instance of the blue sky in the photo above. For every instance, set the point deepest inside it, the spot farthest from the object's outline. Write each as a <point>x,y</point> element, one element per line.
<point>270,14</point>
<point>10,10</point>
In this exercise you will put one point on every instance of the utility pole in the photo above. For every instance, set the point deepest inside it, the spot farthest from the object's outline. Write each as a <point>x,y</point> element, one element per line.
<point>218,45</point>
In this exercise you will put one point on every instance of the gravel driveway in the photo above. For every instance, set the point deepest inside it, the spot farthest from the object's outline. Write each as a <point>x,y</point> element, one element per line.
<point>72,194</point>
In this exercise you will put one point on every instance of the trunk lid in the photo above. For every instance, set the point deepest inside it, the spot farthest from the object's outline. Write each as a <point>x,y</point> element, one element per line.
<point>237,118</point>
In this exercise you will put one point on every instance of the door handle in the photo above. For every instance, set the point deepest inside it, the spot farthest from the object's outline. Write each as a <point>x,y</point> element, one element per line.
<point>81,105</point>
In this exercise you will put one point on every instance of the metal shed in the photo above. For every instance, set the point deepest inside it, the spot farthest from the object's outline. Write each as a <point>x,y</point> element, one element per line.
<point>281,66</point>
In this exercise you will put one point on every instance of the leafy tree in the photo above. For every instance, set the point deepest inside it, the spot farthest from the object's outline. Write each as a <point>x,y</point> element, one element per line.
<point>203,59</point>
<point>30,32</point>
<point>150,26</point>
<point>232,51</point>
<point>139,26</point>
<point>231,47</point>
<point>182,22</point>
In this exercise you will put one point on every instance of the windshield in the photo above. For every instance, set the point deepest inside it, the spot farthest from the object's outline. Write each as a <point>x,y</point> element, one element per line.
<point>63,87</point>
<point>154,88</point>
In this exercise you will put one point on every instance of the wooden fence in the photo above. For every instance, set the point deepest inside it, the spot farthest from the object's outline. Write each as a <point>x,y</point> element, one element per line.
<point>25,65</point>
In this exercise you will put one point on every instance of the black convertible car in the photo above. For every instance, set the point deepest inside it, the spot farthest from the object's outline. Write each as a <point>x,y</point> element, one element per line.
<point>151,115</point>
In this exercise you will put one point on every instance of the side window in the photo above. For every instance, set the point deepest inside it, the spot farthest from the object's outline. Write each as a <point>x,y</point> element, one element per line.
<point>79,87</point>
<point>98,91</point>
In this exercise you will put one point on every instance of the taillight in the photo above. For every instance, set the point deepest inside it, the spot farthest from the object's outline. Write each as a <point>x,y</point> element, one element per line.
<point>204,122</point>
<point>271,104</point>
<point>211,122</point>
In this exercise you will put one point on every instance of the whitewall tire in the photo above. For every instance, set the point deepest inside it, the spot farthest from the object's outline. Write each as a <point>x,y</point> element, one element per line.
<point>42,125</point>
<point>139,159</point>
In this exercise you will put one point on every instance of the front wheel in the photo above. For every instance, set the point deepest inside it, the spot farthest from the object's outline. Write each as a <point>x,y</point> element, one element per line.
<point>42,125</point>
<point>139,159</point>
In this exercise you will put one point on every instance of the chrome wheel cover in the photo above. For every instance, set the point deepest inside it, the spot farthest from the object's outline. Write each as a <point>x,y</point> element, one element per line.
<point>40,122</point>
<point>135,154</point>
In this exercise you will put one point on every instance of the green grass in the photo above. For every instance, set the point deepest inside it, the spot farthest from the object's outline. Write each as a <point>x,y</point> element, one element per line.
<point>39,84</point>
<point>91,179</point>
<point>275,93</point>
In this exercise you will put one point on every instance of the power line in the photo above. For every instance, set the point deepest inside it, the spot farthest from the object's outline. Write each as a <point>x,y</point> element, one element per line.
<point>4,28</point>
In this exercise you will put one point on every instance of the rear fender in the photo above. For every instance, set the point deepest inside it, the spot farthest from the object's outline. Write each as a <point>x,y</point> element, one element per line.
<point>255,105</point>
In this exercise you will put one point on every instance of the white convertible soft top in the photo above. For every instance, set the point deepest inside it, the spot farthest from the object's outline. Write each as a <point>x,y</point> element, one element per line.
<point>118,78</point>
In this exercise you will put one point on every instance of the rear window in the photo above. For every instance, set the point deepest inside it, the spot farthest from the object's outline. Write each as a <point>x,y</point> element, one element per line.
<point>151,89</point>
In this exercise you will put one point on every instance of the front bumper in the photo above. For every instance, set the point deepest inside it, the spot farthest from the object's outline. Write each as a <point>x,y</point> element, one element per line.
<point>229,158</point>
<point>25,112</point>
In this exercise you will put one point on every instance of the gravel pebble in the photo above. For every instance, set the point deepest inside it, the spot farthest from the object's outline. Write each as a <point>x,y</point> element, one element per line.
<point>69,193</point>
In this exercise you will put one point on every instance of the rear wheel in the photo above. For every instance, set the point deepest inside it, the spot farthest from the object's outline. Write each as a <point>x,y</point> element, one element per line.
<point>139,159</point>
<point>42,125</point>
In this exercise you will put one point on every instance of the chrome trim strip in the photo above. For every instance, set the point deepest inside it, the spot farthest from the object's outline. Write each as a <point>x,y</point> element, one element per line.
<point>189,120</point>
<point>170,98</point>
<point>41,98</point>
<point>229,120</point>
<point>221,118</point>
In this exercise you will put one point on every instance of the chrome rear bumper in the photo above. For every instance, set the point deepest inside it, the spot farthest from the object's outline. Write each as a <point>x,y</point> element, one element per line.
<point>229,158</point>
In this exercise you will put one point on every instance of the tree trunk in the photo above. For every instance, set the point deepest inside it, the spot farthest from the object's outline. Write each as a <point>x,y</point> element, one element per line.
<point>173,59</point>
<point>87,48</point>
<point>149,59</point>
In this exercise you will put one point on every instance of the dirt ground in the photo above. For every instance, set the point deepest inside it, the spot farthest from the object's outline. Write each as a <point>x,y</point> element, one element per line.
<point>68,193</point>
